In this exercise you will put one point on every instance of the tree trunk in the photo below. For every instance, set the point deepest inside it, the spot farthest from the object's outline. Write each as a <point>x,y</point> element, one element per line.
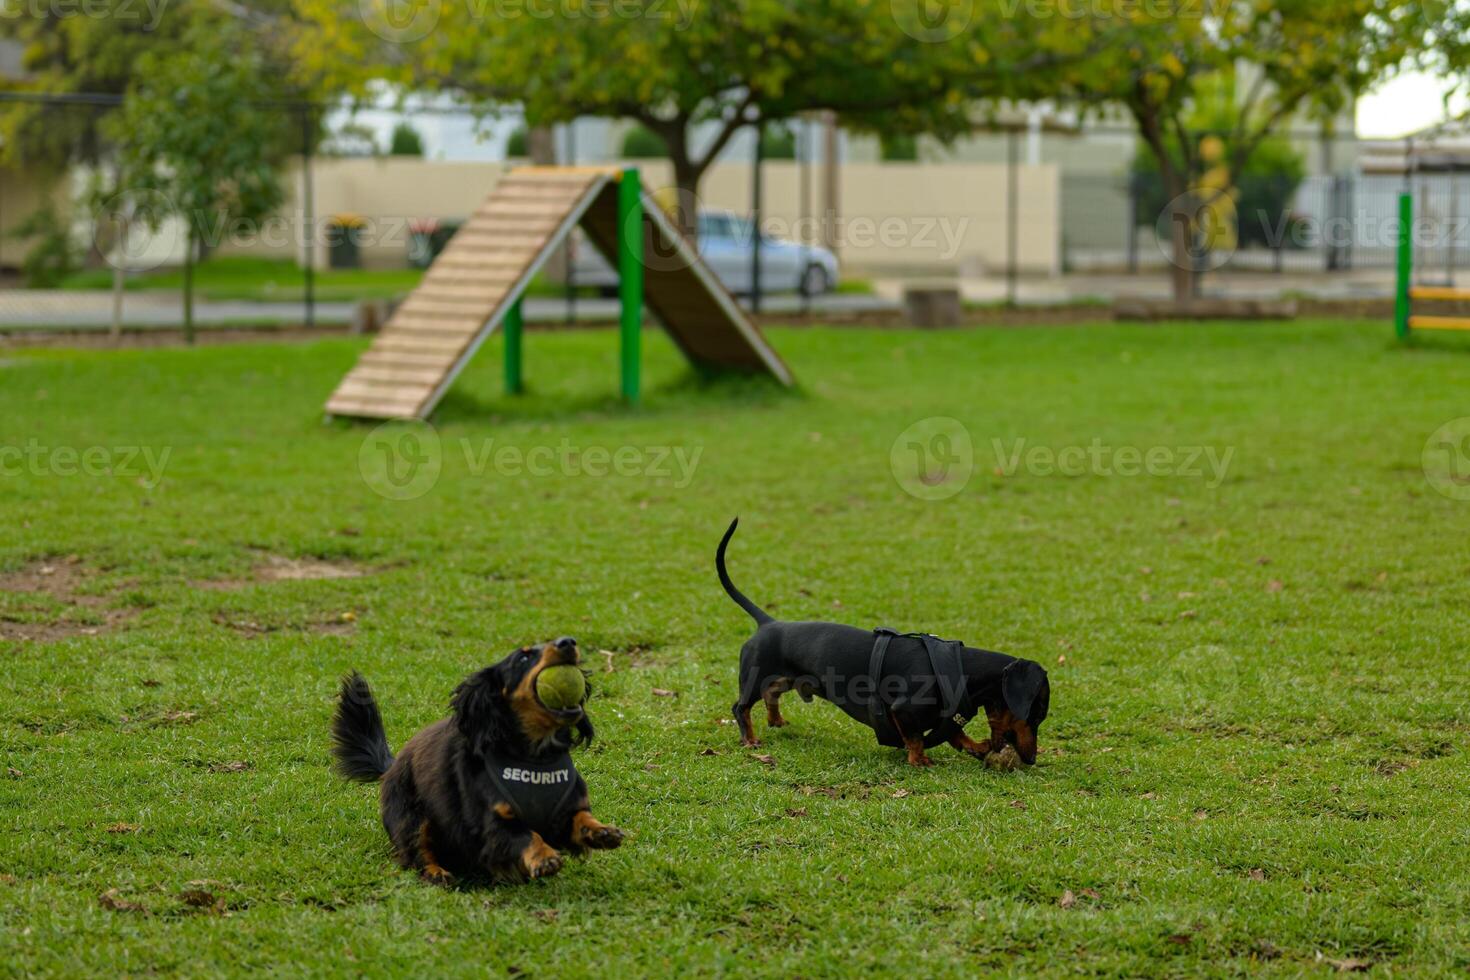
<point>830,176</point>
<point>541,145</point>
<point>686,190</point>
<point>1182,274</point>
<point>189,287</point>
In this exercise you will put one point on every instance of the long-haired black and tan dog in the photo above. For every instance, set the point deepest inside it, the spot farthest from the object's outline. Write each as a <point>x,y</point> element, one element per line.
<point>914,690</point>
<point>490,791</point>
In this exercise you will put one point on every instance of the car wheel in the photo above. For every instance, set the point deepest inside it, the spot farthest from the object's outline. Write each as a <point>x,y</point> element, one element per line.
<point>814,281</point>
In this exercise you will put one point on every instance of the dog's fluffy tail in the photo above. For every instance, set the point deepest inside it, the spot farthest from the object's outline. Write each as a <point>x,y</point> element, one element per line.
<point>359,743</point>
<point>756,612</point>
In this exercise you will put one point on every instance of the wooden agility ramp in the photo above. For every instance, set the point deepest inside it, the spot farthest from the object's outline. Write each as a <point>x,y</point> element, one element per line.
<point>476,285</point>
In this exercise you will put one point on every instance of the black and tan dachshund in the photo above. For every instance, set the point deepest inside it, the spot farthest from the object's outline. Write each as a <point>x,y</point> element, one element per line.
<point>489,792</point>
<point>913,690</point>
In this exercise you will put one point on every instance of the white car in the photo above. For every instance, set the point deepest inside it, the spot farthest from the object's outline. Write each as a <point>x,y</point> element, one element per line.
<point>726,242</point>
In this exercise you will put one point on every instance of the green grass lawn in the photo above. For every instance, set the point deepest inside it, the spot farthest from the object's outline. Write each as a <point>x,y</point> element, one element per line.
<point>1256,757</point>
<point>264,280</point>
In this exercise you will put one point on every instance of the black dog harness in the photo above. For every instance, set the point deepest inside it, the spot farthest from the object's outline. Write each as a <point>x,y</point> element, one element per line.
<point>535,790</point>
<point>945,684</point>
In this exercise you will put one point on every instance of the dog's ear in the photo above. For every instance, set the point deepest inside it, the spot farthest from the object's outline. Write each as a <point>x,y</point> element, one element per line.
<point>1020,684</point>
<point>479,708</point>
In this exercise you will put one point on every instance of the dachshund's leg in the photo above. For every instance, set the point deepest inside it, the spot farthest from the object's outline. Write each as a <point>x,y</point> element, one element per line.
<point>772,697</point>
<point>513,850</point>
<point>591,833</point>
<point>915,745</point>
<point>428,864</point>
<point>969,746</point>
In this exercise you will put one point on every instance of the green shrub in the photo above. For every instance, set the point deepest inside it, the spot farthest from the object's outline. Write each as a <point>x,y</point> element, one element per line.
<point>406,142</point>
<point>518,144</point>
<point>53,255</point>
<point>642,143</point>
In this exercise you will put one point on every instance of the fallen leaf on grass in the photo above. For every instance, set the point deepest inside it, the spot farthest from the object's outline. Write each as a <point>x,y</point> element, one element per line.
<point>1348,965</point>
<point>198,898</point>
<point>1018,804</point>
<point>710,752</point>
<point>123,828</point>
<point>150,682</point>
<point>799,811</point>
<point>181,717</point>
<point>1180,939</point>
<point>236,766</point>
<point>1275,585</point>
<point>14,772</point>
<point>607,655</point>
<point>547,915</point>
<point>765,760</point>
<point>1067,900</point>
<point>1091,893</point>
<point>1150,796</point>
<point>900,793</point>
<point>1188,614</point>
<point>1257,874</point>
<point>112,901</point>
<point>659,692</point>
<point>1201,814</point>
<point>1263,560</point>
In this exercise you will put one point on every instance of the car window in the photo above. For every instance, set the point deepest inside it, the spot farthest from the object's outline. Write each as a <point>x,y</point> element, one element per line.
<point>714,226</point>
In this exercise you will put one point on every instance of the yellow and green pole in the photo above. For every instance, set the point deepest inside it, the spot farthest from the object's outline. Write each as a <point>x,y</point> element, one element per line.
<point>1406,265</point>
<point>630,277</point>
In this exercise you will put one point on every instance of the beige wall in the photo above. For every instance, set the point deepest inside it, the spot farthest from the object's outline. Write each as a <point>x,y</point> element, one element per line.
<point>917,218</point>
<point>22,193</point>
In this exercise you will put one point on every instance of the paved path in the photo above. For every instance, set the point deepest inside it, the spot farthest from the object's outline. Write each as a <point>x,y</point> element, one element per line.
<point>79,310</point>
<point>89,310</point>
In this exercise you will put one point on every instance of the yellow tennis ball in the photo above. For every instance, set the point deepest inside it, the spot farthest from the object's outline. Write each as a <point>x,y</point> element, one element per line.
<point>561,687</point>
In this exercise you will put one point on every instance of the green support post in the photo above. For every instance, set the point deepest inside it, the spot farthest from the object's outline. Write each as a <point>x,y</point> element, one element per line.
<point>630,277</point>
<point>1406,265</point>
<point>513,328</point>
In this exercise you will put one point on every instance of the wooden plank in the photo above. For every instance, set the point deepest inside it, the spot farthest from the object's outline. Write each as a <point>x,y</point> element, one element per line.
<point>1440,292</point>
<point>1439,323</point>
<point>461,278</point>
<point>398,374</point>
<point>384,391</point>
<point>375,356</point>
<point>522,209</point>
<point>449,347</point>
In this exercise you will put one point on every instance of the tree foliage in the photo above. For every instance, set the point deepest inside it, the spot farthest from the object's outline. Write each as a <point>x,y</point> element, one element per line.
<point>694,74</point>
<point>197,143</point>
<point>1288,60</point>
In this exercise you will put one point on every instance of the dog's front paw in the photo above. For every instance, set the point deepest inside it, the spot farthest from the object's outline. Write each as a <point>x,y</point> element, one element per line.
<point>544,867</point>
<point>540,860</point>
<point>436,875</point>
<point>604,838</point>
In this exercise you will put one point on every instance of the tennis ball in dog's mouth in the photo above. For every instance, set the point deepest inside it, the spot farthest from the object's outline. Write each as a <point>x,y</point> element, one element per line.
<point>561,687</point>
<point>1005,759</point>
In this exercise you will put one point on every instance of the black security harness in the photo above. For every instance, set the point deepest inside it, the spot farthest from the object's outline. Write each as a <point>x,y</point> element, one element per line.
<point>535,790</point>
<point>948,675</point>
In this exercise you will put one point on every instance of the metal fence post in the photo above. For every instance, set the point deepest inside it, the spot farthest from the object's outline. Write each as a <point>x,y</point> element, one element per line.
<point>1013,215</point>
<point>756,191</point>
<point>630,277</point>
<point>308,216</point>
<point>1406,265</point>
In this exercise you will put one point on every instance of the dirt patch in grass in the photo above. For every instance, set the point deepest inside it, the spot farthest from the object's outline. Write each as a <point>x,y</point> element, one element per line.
<point>280,568</point>
<point>342,624</point>
<point>39,588</point>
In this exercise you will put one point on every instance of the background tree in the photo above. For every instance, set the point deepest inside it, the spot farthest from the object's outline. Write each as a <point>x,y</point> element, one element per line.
<point>197,144</point>
<point>694,82</point>
<point>1288,60</point>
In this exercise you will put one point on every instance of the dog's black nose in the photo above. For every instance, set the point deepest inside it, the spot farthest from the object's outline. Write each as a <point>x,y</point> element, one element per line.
<point>566,643</point>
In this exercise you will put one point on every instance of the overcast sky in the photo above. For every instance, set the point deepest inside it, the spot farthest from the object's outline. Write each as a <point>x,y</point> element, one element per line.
<point>1408,103</point>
